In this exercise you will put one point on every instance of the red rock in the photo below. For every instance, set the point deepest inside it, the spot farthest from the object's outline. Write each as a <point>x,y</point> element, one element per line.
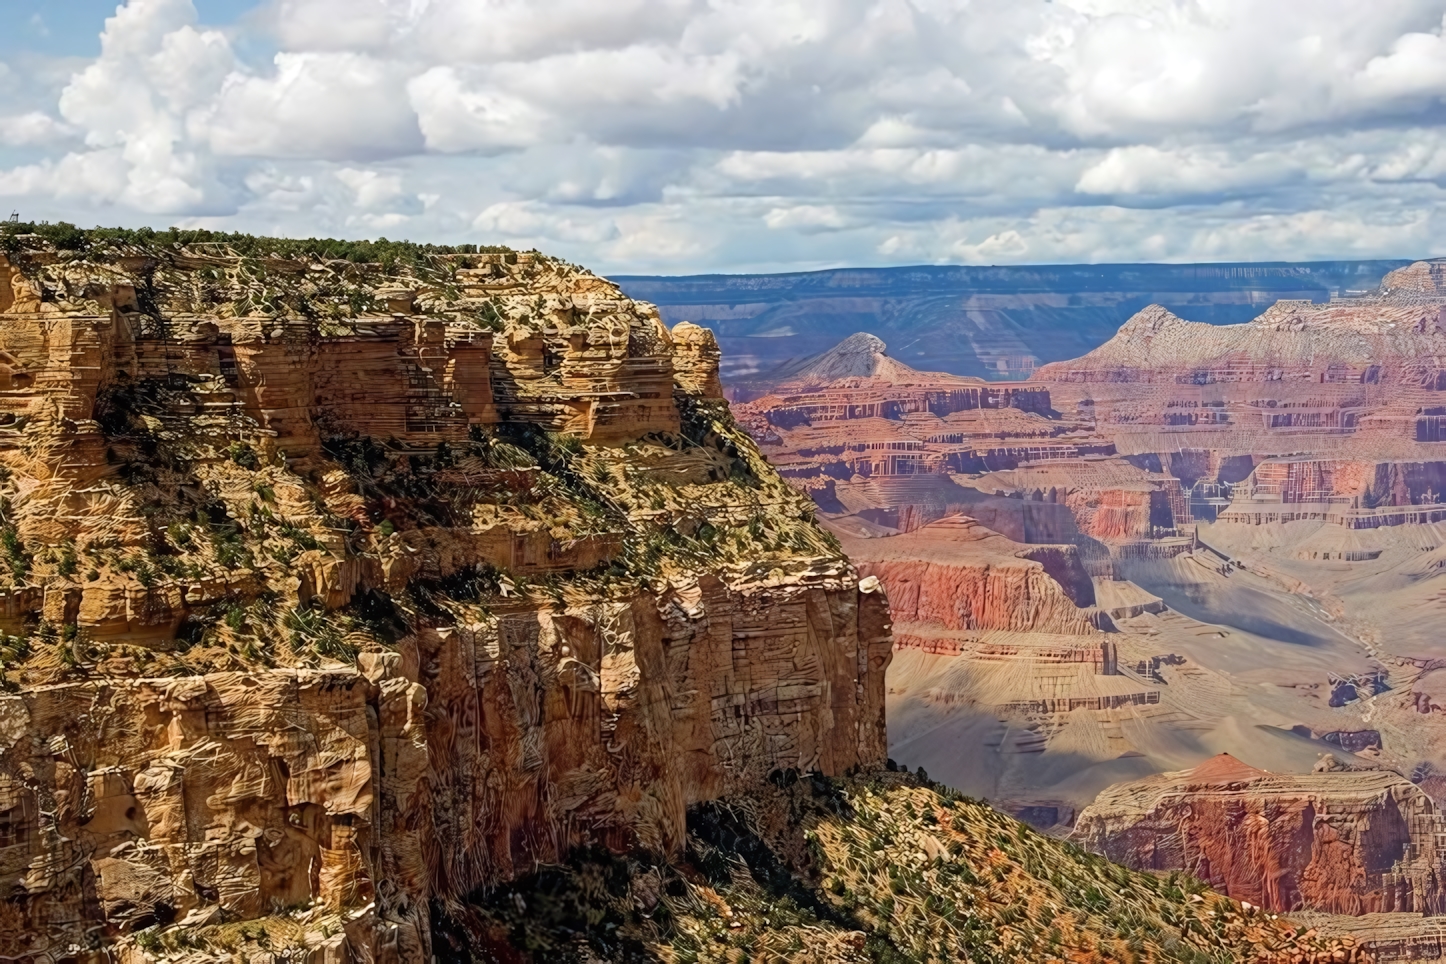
<point>1343,842</point>
<point>957,574</point>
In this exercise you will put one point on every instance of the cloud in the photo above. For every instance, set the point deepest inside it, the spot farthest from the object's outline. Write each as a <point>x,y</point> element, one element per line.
<point>130,104</point>
<point>527,224</point>
<point>458,114</point>
<point>1145,170</point>
<point>717,134</point>
<point>373,189</point>
<point>806,218</point>
<point>32,128</point>
<point>332,105</point>
<point>1412,71</point>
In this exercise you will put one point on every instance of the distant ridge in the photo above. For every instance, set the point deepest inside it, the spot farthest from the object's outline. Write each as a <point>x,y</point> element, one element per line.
<point>859,357</point>
<point>987,322</point>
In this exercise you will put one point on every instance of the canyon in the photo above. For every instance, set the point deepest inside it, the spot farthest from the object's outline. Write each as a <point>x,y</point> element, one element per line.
<point>1339,840</point>
<point>1194,539</point>
<point>371,601</point>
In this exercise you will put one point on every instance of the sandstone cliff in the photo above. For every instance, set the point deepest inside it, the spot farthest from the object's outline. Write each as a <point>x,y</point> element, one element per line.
<point>1341,841</point>
<point>343,582</point>
<point>959,575</point>
<point>1355,376</point>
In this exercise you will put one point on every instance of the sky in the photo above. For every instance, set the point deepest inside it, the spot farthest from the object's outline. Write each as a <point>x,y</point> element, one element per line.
<point>683,136</point>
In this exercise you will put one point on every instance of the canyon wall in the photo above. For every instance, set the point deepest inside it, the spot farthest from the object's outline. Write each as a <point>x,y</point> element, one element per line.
<point>999,322</point>
<point>1302,377</point>
<point>462,759</point>
<point>958,575</point>
<point>1344,842</point>
<point>336,592</point>
<point>1206,537</point>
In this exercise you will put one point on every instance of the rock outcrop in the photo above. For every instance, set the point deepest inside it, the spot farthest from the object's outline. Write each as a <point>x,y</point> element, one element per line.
<point>1302,377</point>
<point>1342,841</point>
<point>959,575</point>
<point>344,582</point>
<point>868,436</point>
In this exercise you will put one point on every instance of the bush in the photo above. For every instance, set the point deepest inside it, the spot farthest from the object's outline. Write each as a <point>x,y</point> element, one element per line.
<point>244,456</point>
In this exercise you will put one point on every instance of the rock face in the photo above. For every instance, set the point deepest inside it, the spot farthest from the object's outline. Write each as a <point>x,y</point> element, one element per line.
<point>958,575</point>
<point>362,584</point>
<point>1344,842</point>
<point>1300,377</point>
<point>868,436</point>
<point>1355,841</point>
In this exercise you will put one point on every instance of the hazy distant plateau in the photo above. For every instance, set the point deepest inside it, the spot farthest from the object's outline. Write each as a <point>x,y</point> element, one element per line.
<point>989,322</point>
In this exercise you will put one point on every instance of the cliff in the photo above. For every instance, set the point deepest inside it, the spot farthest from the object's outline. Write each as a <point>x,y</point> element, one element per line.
<point>346,582</point>
<point>1394,329</point>
<point>1318,424</point>
<point>1340,841</point>
<point>958,575</point>
<point>1352,375</point>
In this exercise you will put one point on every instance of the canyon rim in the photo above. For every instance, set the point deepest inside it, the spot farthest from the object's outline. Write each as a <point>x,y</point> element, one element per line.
<point>388,602</point>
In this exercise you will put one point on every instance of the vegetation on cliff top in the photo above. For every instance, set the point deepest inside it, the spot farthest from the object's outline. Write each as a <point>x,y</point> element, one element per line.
<point>18,236</point>
<point>209,510</point>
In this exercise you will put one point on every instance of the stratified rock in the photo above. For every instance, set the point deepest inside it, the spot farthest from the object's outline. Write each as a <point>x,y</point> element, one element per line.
<point>1341,377</point>
<point>337,591</point>
<point>959,575</point>
<point>1343,841</point>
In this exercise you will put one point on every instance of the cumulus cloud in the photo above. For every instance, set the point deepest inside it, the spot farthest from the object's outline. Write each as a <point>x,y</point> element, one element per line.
<point>332,105</point>
<point>130,103</point>
<point>1145,170</point>
<point>32,128</point>
<point>701,134</point>
<point>806,218</point>
<point>527,224</point>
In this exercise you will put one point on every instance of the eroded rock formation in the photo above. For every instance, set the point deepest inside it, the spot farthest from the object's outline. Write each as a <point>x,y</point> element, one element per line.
<point>1341,841</point>
<point>959,575</point>
<point>354,587</point>
<point>1257,512</point>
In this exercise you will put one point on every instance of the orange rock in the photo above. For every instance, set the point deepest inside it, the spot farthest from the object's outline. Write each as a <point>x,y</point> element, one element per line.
<point>1342,842</point>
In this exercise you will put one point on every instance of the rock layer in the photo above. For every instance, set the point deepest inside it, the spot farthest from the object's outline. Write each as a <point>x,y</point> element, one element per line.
<point>363,585</point>
<point>1344,842</point>
<point>1259,509</point>
<point>958,575</point>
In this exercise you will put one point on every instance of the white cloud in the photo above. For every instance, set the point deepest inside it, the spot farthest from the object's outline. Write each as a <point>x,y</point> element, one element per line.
<point>129,103</point>
<point>1415,68</point>
<point>279,191</point>
<point>32,128</point>
<point>457,116</point>
<point>1146,170</point>
<point>698,134</point>
<point>373,189</point>
<point>334,25</point>
<point>532,225</point>
<point>806,218</point>
<point>332,105</point>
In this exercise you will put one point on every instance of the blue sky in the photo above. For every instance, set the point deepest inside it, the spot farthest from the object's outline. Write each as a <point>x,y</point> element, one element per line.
<point>678,136</point>
<point>71,28</point>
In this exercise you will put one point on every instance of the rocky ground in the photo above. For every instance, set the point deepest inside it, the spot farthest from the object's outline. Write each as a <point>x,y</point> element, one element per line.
<point>889,868</point>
